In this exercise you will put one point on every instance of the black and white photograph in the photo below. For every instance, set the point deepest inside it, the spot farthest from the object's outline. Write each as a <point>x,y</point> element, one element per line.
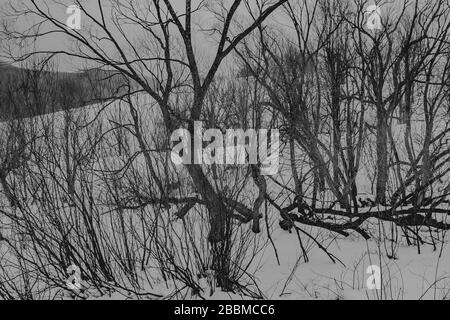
<point>241,151</point>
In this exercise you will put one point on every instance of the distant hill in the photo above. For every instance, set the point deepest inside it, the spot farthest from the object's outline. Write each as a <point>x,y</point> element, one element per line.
<point>27,93</point>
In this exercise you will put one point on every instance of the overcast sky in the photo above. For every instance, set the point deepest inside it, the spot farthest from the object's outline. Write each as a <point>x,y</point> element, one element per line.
<point>205,45</point>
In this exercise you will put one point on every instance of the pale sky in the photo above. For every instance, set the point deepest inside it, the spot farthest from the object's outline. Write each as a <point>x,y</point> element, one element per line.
<point>204,44</point>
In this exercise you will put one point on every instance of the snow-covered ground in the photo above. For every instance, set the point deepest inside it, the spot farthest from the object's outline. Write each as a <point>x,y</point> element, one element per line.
<point>409,276</point>
<point>405,274</point>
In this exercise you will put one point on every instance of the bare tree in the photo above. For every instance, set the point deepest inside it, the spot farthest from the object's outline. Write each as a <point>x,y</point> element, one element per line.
<point>165,63</point>
<point>327,81</point>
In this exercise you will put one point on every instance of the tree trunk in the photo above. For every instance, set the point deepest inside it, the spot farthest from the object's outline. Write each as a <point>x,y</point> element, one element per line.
<point>216,207</point>
<point>382,158</point>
